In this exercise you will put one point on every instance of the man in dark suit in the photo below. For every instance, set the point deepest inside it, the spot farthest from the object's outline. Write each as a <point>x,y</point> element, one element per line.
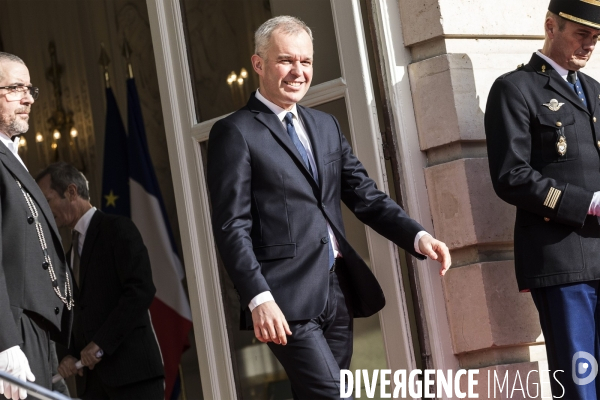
<point>543,141</point>
<point>113,290</point>
<point>35,286</point>
<point>277,172</point>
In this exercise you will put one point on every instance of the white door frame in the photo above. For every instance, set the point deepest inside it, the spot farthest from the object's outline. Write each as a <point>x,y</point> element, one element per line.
<point>183,137</point>
<point>395,59</point>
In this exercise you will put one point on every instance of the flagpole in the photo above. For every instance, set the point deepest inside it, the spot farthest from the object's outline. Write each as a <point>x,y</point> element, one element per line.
<point>104,61</point>
<point>127,55</point>
<point>182,380</point>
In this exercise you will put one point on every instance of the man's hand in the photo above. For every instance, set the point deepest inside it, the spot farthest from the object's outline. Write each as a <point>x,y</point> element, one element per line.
<point>436,250</point>
<point>15,362</point>
<point>67,367</point>
<point>270,324</point>
<point>88,355</point>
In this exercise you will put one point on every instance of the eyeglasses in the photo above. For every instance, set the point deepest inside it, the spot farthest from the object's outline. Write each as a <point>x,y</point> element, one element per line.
<point>17,92</point>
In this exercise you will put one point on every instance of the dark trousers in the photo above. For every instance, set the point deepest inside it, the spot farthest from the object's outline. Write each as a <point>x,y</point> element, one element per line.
<point>151,389</point>
<point>320,347</point>
<point>569,315</point>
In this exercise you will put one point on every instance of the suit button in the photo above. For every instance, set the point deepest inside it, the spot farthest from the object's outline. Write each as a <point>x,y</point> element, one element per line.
<point>56,310</point>
<point>598,143</point>
<point>45,265</point>
<point>324,240</point>
<point>558,123</point>
<point>595,119</point>
<point>30,220</point>
<point>546,219</point>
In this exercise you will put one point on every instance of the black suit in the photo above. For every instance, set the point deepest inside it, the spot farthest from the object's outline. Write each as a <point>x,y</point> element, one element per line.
<point>113,297</point>
<point>557,244</point>
<point>270,216</point>
<point>28,302</point>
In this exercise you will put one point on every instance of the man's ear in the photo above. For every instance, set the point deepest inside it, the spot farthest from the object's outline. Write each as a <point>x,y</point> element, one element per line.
<point>257,64</point>
<point>549,26</point>
<point>71,192</point>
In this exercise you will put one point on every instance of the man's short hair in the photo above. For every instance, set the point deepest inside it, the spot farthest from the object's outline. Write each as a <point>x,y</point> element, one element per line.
<point>5,57</point>
<point>62,175</point>
<point>287,24</point>
<point>560,21</point>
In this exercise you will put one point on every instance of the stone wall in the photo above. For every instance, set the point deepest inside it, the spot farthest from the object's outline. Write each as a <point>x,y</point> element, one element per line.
<point>458,49</point>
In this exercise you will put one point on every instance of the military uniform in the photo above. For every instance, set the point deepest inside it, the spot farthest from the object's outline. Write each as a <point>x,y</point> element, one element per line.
<point>544,154</point>
<point>544,158</point>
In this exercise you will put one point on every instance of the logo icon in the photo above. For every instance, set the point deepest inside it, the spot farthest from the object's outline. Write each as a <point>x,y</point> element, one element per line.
<point>582,367</point>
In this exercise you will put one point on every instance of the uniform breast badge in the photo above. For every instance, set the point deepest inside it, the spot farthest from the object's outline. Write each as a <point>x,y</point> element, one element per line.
<point>553,105</point>
<point>561,145</point>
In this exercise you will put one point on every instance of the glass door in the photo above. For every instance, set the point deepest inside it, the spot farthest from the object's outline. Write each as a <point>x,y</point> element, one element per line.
<point>202,52</point>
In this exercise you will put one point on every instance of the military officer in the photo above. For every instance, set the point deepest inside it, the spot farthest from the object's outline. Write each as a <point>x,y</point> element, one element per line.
<point>543,142</point>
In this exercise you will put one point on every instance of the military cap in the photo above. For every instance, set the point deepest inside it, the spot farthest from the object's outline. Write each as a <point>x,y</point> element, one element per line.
<point>585,12</point>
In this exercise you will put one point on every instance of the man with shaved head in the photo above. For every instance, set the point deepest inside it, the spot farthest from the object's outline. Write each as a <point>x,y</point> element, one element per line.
<point>35,286</point>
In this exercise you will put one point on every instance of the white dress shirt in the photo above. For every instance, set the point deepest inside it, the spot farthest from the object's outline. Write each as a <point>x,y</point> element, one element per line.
<point>13,146</point>
<point>303,136</point>
<point>82,226</point>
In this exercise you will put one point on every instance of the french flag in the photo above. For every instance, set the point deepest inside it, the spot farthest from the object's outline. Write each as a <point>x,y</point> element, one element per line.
<point>170,311</point>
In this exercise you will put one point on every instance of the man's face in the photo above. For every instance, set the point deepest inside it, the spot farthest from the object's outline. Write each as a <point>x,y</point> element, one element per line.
<point>572,47</point>
<point>62,208</point>
<point>286,71</point>
<point>14,115</point>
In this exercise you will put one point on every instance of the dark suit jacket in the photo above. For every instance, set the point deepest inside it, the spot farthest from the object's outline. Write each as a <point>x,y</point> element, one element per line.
<point>270,216</point>
<point>25,285</point>
<point>113,298</point>
<point>556,242</point>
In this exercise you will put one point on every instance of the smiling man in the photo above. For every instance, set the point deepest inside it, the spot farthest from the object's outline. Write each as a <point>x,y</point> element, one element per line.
<point>543,142</point>
<point>277,173</point>
<point>35,286</point>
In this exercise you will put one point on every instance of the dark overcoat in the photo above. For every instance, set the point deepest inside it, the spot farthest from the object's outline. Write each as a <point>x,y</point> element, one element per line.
<point>25,282</point>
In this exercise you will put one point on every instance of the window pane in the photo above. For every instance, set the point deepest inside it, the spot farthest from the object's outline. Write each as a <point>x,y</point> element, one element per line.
<point>220,41</point>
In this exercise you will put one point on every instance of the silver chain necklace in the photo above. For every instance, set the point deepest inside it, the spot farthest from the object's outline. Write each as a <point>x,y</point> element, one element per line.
<point>68,298</point>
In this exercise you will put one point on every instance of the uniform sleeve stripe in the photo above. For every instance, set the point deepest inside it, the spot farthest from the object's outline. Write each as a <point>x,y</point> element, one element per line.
<point>552,198</point>
<point>555,199</point>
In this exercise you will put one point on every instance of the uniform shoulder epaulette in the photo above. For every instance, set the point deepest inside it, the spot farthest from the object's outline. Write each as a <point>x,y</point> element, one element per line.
<point>519,67</point>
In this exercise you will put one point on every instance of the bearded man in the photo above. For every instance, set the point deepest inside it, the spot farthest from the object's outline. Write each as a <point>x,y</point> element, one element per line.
<point>35,286</point>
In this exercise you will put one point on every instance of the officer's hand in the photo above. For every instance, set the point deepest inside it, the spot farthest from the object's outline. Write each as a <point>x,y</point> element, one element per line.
<point>14,362</point>
<point>270,324</point>
<point>67,367</point>
<point>88,355</point>
<point>436,250</point>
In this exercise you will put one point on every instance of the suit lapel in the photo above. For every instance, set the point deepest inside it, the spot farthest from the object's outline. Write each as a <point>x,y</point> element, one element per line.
<point>272,122</point>
<point>560,86</point>
<point>18,171</point>
<point>90,238</point>
<point>315,139</point>
<point>555,81</point>
<point>590,94</point>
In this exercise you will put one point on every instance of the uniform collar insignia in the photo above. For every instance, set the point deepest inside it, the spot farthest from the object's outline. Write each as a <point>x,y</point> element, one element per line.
<point>553,105</point>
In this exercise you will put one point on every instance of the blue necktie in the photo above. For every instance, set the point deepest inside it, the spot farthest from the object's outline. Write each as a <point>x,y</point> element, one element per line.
<point>576,84</point>
<point>289,123</point>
